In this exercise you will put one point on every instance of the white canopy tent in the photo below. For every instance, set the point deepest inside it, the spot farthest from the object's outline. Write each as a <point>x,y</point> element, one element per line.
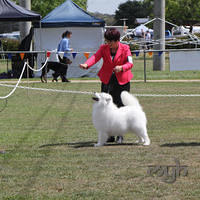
<point>84,39</point>
<point>138,30</point>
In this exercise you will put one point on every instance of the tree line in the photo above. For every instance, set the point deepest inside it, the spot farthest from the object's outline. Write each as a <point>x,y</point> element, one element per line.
<point>179,12</point>
<point>43,7</point>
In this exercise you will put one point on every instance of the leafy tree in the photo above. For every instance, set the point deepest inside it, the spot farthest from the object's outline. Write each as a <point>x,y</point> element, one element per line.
<point>180,12</point>
<point>132,10</point>
<point>43,7</point>
<point>183,12</point>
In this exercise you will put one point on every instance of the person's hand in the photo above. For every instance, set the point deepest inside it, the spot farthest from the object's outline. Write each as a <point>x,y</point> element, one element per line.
<point>118,68</point>
<point>83,66</point>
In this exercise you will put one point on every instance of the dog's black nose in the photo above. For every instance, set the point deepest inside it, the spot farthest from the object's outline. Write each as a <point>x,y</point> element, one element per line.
<point>95,98</point>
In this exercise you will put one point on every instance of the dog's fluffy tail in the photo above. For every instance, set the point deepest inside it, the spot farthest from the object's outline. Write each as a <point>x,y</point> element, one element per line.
<point>130,100</point>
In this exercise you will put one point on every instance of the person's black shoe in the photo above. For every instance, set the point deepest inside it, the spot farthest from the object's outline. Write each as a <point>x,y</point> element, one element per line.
<point>120,139</point>
<point>111,139</point>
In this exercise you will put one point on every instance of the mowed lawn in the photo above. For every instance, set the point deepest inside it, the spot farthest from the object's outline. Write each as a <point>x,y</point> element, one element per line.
<point>48,138</point>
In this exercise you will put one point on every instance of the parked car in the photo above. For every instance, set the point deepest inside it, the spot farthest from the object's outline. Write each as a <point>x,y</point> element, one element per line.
<point>14,35</point>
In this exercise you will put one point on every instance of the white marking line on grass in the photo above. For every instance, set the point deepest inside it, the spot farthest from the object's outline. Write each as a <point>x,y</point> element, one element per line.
<point>91,93</point>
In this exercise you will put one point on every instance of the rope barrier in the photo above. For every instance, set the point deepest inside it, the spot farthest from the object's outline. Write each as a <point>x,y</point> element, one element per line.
<point>78,92</point>
<point>15,87</point>
<point>37,70</point>
<point>50,90</point>
<point>91,93</point>
<point>168,95</point>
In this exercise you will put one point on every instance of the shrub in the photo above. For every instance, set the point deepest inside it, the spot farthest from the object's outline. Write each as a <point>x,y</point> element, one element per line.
<point>10,44</point>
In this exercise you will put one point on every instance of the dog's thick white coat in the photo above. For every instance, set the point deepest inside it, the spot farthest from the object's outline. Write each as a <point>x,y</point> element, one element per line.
<point>109,120</point>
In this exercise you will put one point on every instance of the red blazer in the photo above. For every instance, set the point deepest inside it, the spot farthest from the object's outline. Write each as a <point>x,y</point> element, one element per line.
<point>121,58</point>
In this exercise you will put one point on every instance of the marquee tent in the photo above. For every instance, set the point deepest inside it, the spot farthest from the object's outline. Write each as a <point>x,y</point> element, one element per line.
<point>9,11</point>
<point>138,30</point>
<point>87,35</point>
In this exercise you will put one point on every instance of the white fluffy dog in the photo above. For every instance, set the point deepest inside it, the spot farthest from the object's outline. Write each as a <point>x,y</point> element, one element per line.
<point>109,120</point>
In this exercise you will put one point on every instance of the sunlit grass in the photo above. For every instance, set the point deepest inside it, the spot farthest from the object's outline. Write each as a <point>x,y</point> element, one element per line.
<point>49,136</point>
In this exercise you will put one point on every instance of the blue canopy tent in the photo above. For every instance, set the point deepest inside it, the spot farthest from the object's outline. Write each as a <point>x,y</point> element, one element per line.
<point>70,14</point>
<point>87,34</point>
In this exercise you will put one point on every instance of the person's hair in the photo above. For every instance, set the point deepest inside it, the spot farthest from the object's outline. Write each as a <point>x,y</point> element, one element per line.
<point>66,33</point>
<point>112,34</point>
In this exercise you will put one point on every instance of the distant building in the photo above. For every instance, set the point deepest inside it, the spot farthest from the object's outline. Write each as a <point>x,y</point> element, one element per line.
<point>121,29</point>
<point>141,20</point>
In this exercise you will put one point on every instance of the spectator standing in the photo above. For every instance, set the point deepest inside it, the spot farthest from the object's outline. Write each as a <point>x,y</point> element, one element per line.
<point>148,39</point>
<point>64,46</point>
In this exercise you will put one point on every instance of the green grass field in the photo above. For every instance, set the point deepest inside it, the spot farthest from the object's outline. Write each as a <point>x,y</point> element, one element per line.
<point>48,139</point>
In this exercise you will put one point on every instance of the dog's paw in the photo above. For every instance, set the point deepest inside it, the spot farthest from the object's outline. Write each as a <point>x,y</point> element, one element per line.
<point>98,145</point>
<point>147,143</point>
<point>138,142</point>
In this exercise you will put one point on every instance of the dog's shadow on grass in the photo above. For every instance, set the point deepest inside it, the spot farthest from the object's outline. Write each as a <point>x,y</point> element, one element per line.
<point>181,144</point>
<point>86,144</point>
<point>72,144</point>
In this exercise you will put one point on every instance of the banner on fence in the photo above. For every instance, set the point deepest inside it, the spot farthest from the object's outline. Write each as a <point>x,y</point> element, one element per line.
<point>184,60</point>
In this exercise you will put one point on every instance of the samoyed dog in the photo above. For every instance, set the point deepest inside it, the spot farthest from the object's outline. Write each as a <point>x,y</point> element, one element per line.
<point>109,120</point>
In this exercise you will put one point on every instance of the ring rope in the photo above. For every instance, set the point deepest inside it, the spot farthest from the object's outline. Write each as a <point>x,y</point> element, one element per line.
<point>79,92</point>
<point>15,87</point>
<point>37,70</point>
<point>91,93</point>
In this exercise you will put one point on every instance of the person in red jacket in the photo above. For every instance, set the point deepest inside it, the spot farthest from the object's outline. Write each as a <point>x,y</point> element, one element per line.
<point>115,73</point>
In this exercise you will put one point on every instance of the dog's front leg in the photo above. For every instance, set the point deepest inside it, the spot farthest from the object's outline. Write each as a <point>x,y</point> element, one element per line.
<point>102,138</point>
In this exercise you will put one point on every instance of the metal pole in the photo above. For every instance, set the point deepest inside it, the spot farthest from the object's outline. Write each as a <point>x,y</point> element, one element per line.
<point>25,26</point>
<point>145,77</point>
<point>159,34</point>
